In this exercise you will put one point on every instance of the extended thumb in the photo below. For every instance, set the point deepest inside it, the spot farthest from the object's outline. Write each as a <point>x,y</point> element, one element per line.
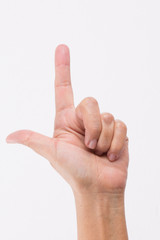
<point>41,144</point>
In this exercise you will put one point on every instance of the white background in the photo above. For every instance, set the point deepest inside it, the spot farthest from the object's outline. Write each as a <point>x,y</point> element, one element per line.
<point>115,57</point>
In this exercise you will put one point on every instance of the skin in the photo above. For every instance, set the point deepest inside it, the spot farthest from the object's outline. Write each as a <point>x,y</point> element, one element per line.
<point>89,149</point>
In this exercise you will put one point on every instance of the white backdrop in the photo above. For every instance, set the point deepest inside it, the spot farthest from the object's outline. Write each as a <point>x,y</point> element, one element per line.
<point>115,57</point>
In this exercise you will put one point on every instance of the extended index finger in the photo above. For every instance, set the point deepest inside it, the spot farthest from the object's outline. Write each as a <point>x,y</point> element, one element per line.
<point>63,88</point>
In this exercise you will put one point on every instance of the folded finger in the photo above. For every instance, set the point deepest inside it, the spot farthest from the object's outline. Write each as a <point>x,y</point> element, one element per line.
<point>106,135</point>
<point>118,141</point>
<point>88,112</point>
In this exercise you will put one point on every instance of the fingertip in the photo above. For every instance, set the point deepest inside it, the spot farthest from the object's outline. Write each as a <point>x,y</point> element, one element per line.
<point>98,152</point>
<point>112,157</point>
<point>9,140</point>
<point>19,136</point>
<point>62,55</point>
<point>92,144</point>
<point>62,45</point>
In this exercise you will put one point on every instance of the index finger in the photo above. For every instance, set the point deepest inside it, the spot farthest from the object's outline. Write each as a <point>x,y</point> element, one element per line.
<point>63,88</point>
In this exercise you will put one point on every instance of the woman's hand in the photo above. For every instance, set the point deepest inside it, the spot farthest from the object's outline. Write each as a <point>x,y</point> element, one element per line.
<point>89,149</point>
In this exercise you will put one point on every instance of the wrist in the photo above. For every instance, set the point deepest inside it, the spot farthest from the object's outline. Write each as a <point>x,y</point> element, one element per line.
<point>104,201</point>
<point>100,216</point>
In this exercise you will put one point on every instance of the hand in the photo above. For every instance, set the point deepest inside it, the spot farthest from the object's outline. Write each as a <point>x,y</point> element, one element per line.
<point>89,149</point>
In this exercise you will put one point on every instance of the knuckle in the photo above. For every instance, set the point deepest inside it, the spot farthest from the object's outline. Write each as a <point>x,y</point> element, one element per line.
<point>28,140</point>
<point>90,100</point>
<point>108,117</point>
<point>121,125</point>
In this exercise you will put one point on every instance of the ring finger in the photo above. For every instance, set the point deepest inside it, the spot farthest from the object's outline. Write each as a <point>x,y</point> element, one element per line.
<point>106,135</point>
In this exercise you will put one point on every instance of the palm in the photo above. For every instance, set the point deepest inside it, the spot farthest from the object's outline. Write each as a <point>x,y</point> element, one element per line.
<point>80,161</point>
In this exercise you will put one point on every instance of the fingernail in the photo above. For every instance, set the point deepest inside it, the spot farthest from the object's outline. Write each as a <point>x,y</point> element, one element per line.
<point>112,157</point>
<point>11,140</point>
<point>16,137</point>
<point>92,144</point>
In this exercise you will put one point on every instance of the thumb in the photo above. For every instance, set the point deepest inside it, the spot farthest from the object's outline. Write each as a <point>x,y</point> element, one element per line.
<point>43,145</point>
